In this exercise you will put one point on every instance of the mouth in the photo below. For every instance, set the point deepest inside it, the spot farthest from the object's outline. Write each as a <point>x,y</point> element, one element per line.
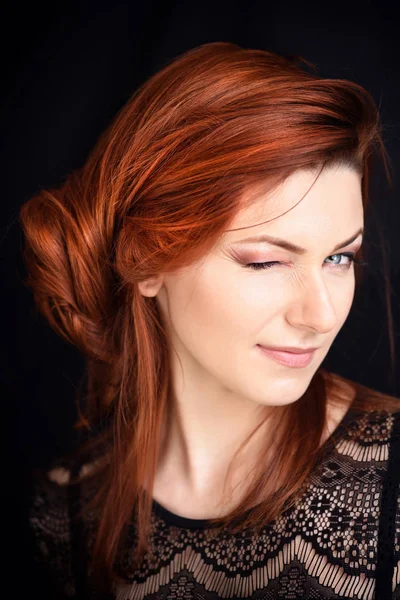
<point>288,359</point>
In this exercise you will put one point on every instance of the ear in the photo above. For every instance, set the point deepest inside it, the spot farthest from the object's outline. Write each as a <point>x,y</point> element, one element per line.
<point>151,287</point>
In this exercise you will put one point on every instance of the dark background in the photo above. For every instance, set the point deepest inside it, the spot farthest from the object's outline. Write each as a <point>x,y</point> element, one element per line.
<point>67,68</point>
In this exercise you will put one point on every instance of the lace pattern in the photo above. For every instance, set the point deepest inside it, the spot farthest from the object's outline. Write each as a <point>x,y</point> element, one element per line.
<point>324,547</point>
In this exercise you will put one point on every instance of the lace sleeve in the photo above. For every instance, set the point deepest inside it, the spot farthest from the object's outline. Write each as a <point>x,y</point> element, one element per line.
<point>396,575</point>
<point>387,571</point>
<point>49,519</point>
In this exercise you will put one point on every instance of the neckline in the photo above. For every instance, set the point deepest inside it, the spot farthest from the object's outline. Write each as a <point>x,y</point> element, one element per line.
<point>325,450</point>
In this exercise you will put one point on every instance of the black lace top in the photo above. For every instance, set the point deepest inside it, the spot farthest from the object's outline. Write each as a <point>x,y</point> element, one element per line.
<point>341,540</point>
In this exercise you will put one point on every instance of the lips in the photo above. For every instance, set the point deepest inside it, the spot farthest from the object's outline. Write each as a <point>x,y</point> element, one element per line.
<point>291,349</point>
<point>288,359</point>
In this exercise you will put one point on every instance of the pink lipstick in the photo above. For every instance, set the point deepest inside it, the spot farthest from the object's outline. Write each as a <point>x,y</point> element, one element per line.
<point>288,359</point>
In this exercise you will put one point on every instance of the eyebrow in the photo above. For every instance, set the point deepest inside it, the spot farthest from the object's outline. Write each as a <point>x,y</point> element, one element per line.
<point>292,247</point>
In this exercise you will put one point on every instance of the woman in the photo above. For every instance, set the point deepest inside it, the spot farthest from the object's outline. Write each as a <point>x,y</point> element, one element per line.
<point>218,221</point>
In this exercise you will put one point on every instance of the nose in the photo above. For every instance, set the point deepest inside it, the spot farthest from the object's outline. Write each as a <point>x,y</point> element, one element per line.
<point>313,305</point>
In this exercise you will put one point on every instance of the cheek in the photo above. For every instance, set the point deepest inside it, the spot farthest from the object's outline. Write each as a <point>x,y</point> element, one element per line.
<point>212,309</point>
<point>227,306</point>
<point>236,311</point>
<point>197,310</point>
<point>255,301</point>
<point>341,296</point>
<point>344,303</point>
<point>342,293</point>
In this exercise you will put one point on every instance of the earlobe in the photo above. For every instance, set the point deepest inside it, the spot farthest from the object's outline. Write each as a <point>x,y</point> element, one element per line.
<point>150,287</point>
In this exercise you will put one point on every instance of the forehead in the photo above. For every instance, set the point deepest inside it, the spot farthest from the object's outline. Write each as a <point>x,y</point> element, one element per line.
<point>305,204</point>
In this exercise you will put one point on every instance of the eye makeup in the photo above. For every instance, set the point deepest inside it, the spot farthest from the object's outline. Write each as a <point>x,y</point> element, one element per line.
<point>249,258</point>
<point>260,266</point>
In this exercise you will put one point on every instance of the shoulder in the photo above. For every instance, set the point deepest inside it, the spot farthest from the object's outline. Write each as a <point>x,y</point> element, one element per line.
<point>56,495</point>
<point>49,509</point>
<point>49,521</point>
<point>369,415</point>
<point>369,435</point>
<point>366,423</point>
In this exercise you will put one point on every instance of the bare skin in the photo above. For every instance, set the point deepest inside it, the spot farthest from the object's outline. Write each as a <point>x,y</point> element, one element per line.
<point>171,491</point>
<point>217,312</point>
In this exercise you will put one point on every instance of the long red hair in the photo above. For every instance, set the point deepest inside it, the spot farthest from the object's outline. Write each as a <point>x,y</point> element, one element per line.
<point>160,187</point>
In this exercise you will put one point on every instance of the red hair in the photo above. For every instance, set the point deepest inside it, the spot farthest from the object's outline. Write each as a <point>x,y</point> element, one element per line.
<point>216,125</point>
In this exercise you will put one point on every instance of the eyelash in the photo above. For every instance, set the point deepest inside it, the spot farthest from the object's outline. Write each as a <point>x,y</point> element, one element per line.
<point>269,265</point>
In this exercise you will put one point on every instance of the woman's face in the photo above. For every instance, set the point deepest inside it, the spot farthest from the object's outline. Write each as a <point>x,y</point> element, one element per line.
<point>218,310</point>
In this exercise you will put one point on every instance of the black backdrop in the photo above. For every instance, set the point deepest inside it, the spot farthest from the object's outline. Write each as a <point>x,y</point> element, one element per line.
<point>66,70</point>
